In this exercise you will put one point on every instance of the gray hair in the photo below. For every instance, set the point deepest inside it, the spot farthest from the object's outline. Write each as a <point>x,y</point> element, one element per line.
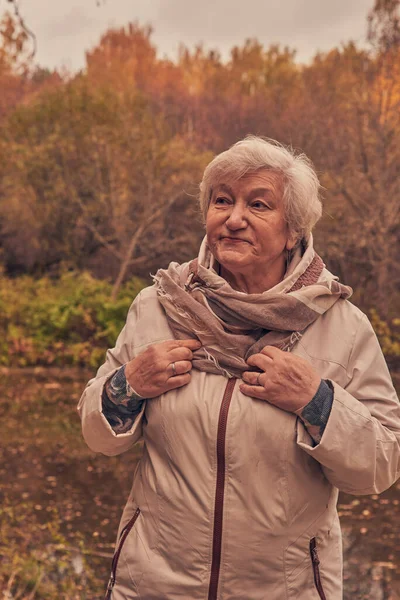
<point>301,202</point>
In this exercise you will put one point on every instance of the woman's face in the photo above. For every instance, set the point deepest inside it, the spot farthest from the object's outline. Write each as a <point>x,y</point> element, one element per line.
<point>246,229</point>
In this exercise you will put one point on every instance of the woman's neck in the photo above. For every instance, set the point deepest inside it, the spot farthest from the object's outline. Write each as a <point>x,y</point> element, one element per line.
<point>255,283</point>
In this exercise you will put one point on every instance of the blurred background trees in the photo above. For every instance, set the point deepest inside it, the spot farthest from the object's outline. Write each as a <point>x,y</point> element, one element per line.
<point>99,170</point>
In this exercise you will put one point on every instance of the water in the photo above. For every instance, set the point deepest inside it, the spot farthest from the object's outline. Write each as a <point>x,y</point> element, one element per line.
<point>61,503</point>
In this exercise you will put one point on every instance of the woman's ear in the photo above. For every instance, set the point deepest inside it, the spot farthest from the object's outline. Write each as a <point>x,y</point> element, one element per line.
<point>291,241</point>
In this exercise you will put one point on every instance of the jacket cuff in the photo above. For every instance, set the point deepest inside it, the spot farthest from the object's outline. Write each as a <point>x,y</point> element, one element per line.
<point>120,409</point>
<point>316,413</point>
<point>97,431</point>
<point>359,453</point>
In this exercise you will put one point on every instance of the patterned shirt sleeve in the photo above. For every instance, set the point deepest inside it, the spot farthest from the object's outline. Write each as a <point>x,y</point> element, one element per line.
<point>316,413</point>
<point>120,409</point>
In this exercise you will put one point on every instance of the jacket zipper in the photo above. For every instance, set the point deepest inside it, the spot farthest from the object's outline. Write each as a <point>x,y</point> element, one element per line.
<point>220,490</point>
<point>315,563</point>
<point>122,538</point>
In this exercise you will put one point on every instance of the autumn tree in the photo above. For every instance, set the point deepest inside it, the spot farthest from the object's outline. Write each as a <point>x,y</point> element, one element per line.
<point>94,178</point>
<point>14,63</point>
<point>350,123</point>
<point>141,205</point>
<point>384,25</point>
<point>249,93</point>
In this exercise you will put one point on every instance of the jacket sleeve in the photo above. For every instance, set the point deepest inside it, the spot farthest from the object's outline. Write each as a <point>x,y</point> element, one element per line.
<point>360,448</point>
<point>97,431</point>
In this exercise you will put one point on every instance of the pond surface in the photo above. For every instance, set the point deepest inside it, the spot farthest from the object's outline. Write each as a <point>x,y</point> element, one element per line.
<point>61,503</point>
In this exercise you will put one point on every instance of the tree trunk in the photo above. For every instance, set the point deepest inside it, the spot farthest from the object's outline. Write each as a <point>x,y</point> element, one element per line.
<point>133,243</point>
<point>125,263</point>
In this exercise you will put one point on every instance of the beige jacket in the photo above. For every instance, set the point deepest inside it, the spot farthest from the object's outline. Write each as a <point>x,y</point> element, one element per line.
<point>230,500</point>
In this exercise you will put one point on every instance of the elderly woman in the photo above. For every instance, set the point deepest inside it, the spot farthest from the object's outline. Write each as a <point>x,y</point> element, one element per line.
<point>259,392</point>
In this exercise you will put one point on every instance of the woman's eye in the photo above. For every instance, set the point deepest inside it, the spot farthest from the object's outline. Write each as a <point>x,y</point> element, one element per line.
<point>259,204</point>
<point>221,200</point>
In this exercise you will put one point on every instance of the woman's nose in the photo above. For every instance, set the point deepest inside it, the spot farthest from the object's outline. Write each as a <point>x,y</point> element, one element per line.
<point>237,217</point>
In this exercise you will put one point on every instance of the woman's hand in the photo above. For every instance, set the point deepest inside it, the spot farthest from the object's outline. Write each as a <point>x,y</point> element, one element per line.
<point>161,367</point>
<point>287,381</point>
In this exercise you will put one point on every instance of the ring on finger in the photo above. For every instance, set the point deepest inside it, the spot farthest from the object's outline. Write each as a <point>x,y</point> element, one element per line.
<point>258,380</point>
<point>173,369</point>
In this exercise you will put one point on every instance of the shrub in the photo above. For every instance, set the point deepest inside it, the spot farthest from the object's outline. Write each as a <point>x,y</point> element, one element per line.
<point>70,321</point>
<point>388,334</point>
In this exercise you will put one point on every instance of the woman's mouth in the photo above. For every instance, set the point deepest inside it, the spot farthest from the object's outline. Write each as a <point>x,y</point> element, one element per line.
<point>233,240</point>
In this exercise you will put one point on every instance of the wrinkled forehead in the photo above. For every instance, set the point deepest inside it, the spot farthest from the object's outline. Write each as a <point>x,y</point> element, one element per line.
<point>269,179</point>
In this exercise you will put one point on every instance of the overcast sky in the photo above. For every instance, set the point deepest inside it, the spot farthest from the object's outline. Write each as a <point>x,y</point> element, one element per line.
<point>66,28</point>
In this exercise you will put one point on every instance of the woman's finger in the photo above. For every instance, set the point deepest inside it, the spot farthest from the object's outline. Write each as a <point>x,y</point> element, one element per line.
<point>272,352</point>
<point>261,361</point>
<point>254,391</point>
<point>253,378</point>
<point>179,367</point>
<point>180,353</point>
<point>192,344</point>
<point>178,381</point>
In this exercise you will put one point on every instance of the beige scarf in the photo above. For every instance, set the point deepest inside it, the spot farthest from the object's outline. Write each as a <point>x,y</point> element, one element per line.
<point>233,325</point>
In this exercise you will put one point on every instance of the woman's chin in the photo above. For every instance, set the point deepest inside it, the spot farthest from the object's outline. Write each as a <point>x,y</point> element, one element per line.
<point>232,262</point>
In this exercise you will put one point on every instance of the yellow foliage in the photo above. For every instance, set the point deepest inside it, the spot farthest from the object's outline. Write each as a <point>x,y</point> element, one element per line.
<point>387,333</point>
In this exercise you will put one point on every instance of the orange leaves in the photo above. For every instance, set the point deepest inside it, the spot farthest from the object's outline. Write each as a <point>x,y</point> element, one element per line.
<point>125,58</point>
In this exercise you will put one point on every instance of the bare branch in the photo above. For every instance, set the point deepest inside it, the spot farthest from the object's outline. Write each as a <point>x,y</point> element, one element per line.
<point>99,237</point>
<point>87,222</point>
<point>151,218</point>
<point>341,189</point>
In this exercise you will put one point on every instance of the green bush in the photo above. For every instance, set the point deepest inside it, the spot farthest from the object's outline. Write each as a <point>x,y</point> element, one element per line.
<point>70,321</point>
<point>388,334</point>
